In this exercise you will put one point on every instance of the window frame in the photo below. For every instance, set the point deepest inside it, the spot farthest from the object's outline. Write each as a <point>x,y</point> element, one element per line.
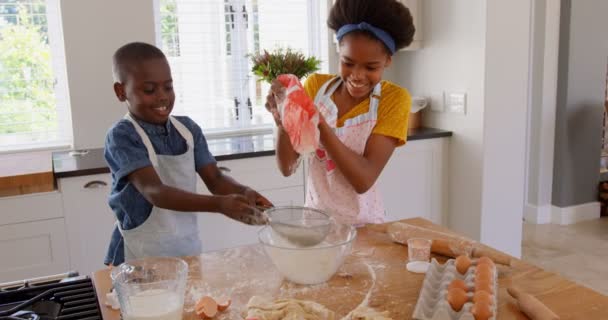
<point>64,130</point>
<point>317,40</point>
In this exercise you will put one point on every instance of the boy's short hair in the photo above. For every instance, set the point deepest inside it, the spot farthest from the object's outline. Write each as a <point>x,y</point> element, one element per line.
<point>130,54</point>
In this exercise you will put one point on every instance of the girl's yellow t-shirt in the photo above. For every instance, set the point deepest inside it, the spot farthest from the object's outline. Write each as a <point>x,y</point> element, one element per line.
<point>393,109</point>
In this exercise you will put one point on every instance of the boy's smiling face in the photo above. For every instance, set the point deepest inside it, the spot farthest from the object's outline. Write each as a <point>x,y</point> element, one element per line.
<point>148,90</point>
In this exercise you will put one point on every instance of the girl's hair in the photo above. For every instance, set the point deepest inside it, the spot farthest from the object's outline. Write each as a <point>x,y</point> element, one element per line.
<point>131,54</point>
<point>389,15</point>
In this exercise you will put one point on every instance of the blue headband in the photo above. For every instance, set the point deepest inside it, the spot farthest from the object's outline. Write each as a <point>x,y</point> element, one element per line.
<point>379,33</point>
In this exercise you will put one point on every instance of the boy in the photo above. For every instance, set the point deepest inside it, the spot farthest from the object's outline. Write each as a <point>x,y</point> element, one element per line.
<point>153,158</point>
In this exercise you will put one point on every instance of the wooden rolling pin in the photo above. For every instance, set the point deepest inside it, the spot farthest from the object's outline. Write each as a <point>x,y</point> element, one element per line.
<point>531,306</point>
<point>444,244</point>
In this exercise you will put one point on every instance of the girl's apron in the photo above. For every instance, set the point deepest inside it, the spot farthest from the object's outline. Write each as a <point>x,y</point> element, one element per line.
<point>327,188</point>
<point>166,232</point>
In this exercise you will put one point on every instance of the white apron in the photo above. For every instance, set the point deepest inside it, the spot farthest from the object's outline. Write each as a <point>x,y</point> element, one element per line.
<point>327,188</point>
<point>166,232</point>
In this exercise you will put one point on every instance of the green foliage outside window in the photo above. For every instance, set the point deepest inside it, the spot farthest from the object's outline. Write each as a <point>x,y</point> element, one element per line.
<point>27,99</point>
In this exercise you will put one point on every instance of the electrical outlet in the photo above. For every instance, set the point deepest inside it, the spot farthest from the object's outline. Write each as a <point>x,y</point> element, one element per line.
<point>455,102</point>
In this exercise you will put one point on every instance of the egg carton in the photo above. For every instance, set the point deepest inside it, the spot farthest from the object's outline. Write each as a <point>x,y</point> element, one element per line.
<point>432,303</point>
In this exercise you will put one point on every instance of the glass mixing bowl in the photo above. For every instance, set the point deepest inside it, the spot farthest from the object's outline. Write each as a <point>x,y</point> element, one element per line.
<point>308,264</point>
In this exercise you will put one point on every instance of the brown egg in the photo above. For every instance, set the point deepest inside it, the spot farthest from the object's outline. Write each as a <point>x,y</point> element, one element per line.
<point>484,275</point>
<point>484,269</point>
<point>484,285</point>
<point>462,264</point>
<point>456,298</point>
<point>483,296</point>
<point>481,311</point>
<point>457,283</point>
<point>485,260</point>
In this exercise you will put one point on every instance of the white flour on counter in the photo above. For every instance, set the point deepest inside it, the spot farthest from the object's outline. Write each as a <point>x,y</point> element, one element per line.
<point>365,302</point>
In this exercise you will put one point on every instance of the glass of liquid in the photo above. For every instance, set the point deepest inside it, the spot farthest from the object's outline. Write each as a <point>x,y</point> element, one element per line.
<point>151,288</point>
<point>418,254</point>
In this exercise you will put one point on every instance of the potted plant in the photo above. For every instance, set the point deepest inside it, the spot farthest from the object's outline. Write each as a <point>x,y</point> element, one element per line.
<point>268,65</point>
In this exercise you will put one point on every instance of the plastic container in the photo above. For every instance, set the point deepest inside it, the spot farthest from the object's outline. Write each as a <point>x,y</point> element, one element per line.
<point>432,303</point>
<point>151,288</point>
<point>313,264</point>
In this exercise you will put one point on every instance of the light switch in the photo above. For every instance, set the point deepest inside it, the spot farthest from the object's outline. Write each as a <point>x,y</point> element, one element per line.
<point>436,101</point>
<point>455,102</point>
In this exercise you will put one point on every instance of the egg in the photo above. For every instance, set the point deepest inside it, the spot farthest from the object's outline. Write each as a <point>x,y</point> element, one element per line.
<point>484,285</point>
<point>456,298</point>
<point>484,274</point>
<point>484,269</point>
<point>462,264</point>
<point>485,260</point>
<point>481,311</point>
<point>483,296</point>
<point>457,283</point>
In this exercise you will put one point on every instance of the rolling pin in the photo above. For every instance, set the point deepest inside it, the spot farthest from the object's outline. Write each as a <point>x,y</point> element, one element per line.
<point>531,306</point>
<point>443,243</point>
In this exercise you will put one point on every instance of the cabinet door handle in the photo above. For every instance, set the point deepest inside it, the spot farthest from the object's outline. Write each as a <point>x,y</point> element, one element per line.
<point>95,184</point>
<point>225,169</point>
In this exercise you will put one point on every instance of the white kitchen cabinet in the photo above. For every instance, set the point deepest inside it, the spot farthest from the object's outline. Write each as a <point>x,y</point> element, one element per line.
<point>32,236</point>
<point>414,182</point>
<point>33,249</point>
<point>88,218</point>
<point>261,174</point>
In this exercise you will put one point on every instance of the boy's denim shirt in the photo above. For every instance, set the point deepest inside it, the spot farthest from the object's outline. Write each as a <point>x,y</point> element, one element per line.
<point>125,152</point>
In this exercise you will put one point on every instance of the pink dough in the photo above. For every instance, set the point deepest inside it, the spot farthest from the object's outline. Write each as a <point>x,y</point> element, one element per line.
<point>299,116</point>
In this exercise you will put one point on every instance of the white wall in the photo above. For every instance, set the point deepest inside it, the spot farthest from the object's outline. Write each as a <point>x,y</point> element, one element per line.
<point>92,31</point>
<point>541,125</point>
<point>480,48</point>
<point>452,59</point>
<point>505,123</point>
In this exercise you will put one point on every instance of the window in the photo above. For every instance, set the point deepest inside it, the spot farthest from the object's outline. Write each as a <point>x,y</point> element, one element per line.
<point>34,108</point>
<point>207,43</point>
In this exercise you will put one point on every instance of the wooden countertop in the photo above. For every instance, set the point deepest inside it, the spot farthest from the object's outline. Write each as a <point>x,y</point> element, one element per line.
<point>26,172</point>
<point>377,267</point>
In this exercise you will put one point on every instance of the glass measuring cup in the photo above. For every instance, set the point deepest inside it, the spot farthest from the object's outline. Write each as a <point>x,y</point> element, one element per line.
<point>151,288</point>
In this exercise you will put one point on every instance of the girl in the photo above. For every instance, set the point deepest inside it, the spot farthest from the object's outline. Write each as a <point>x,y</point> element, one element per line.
<point>363,118</point>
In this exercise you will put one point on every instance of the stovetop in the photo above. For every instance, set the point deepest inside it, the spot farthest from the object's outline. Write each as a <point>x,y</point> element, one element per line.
<point>70,298</point>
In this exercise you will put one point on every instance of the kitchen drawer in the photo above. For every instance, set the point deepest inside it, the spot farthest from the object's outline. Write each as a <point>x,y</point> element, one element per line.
<point>260,173</point>
<point>33,249</point>
<point>31,207</point>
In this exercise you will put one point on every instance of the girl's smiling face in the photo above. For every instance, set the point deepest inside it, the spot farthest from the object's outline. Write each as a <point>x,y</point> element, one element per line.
<point>362,63</point>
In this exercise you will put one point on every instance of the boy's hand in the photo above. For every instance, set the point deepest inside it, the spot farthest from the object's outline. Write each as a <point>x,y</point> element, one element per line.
<point>256,199</point>
<point>238,207</point>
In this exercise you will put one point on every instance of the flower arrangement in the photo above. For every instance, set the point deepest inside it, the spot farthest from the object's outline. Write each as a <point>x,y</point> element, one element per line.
<point>268,65</point>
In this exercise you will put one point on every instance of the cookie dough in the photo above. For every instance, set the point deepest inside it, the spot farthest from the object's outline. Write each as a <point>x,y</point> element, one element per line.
<point>287,309</point>
<point>367,313</point>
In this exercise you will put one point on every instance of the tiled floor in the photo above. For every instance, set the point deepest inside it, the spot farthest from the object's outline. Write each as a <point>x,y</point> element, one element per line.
<point>578,252</point>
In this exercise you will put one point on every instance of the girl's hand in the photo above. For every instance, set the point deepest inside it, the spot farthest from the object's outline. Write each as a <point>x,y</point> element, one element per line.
<point>237,207</point>
<point>276,96</point>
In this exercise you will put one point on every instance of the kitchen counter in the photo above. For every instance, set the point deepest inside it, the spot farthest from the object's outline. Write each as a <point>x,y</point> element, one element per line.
<point>373,275</point>
<point>87,162</point>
